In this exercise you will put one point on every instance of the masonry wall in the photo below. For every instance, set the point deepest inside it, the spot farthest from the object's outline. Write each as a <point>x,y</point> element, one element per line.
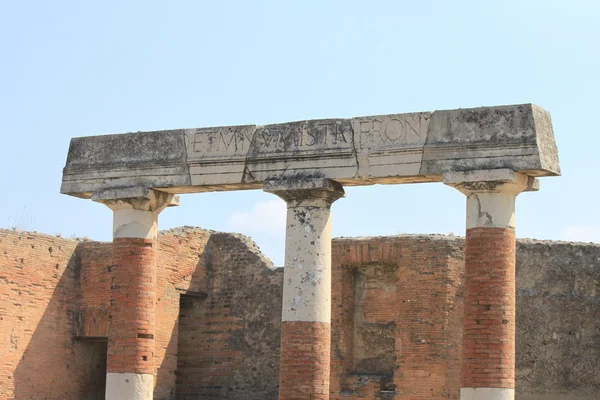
<point>55,306</point>
<point>397,306</point>
<point>558,320</point>
<point>229,341</point>
<point>39,358</point>
<point>180,270</point>
<point>397,318</point>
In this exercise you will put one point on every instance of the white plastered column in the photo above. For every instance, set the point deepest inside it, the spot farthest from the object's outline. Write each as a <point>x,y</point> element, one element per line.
<point>487,394</point>
<point>135,210</point>
<point>491,196</point>
<point>129,386</point>
<point>135,215</point>
<point>307,273</point>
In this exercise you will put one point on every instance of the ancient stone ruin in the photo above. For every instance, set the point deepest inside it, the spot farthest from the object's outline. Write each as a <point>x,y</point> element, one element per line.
<point>396,327</point>
<point>387,322</point>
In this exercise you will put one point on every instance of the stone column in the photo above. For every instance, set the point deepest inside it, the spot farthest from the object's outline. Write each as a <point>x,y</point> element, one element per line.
<point>488,347</point>
<point>130,363</point>
<point>306,314</point>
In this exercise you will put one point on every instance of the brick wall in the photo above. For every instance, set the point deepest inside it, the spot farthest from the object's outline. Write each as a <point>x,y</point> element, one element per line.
<point>39,277</point>
<point>229,341</point>
<point>396,320</point>
<point>179,268</point>
<point>93,292</point>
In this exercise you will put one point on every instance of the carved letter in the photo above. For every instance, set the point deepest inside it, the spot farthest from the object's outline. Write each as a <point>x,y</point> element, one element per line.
<point>326,131</point>
<point>225,143</point>
<point>250,138</point>
<point>312,140</point>
<point>364,126</point>
<point>339,132</point>
<point>377,128</point>
<point>416,132</point>
<point>394,130</point>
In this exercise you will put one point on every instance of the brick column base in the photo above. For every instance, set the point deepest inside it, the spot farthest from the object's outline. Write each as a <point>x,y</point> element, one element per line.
<point>304,369</point>
<point>488,354</point>
<point>132,316</point>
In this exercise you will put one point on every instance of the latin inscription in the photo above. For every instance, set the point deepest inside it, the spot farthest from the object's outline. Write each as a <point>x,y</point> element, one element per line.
<point>222,140</point>
<point>274,138</point>
<point>398,129</point>
<point>332,135</point>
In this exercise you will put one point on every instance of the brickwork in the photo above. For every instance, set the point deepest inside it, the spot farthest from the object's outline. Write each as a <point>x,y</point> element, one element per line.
<point>230,348</point>
<point>39,278</point>
<point>490,298</point>
<point>94,294</point>
<point>132,316</point>
<point>235,317</point>
<point>206,360</point>
<point>180,266</point>
<point>229,341</point>
<point>304,371</point>
<point>396,318</point>
<point>396,327</point>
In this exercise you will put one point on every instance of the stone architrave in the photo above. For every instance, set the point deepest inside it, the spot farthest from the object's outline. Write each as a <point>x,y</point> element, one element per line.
<point>396,148</point>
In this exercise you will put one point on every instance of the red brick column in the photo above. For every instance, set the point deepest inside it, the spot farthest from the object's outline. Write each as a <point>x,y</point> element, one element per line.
<point>131,326</point>
<point>305,358</point>
<point>488,346</point>
<point>306,311</point>
<point>132,315</point>
<point>488,354</point>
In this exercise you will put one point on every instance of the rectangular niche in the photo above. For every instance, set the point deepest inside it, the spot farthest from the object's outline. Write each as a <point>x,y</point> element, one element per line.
<point>374,315</point>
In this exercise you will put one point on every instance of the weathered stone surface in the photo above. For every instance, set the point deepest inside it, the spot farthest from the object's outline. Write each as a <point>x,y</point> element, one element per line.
<point>397,148</point>
<point>487,394</point>
<point>491,195</point>
<point>129,386</point>
<point>307,272</point>
<point>135,210</point>
<point>558,330</point>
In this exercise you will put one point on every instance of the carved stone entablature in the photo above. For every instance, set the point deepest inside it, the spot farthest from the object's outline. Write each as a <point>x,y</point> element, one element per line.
<point>385,149</point>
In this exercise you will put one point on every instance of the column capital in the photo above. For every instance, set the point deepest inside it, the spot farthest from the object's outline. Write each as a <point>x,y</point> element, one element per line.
<point>491,181</point>
<point>303,191</point>
<point>136,198</point>
<point>135,210</point>
<point>491,195</point>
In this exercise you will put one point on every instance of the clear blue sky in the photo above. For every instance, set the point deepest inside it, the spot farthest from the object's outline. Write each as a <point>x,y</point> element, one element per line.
<point>74,68</point>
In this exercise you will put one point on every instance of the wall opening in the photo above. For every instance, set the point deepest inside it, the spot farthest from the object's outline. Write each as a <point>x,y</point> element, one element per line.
<point>191,365</point>
<point>95,351</point>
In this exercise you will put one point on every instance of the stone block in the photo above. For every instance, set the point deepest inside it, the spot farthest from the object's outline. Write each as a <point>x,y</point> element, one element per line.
<point>385,149</point>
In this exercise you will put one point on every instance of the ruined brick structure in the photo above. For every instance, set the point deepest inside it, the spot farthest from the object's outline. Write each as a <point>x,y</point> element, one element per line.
<point>490,154</point>
<point>396,328</point>
<point>396,318</point>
